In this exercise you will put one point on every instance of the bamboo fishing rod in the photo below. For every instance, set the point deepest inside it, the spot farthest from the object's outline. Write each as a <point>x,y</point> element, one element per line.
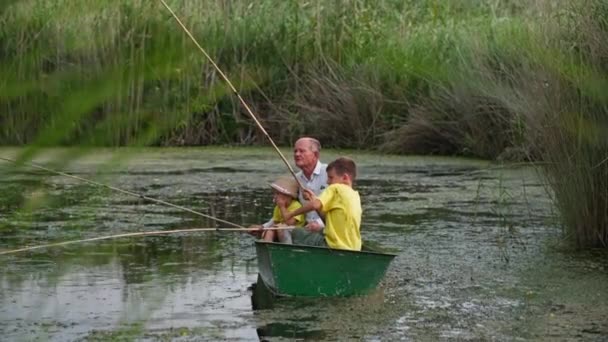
<point>125,235</point>
<point>40,167</point>
<point>238,95</point>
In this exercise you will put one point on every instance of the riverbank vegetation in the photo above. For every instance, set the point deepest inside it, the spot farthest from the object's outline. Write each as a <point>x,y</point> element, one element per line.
<point>507,80</point>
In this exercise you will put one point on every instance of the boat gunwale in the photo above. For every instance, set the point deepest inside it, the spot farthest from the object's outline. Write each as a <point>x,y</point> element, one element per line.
<point>331,250</point>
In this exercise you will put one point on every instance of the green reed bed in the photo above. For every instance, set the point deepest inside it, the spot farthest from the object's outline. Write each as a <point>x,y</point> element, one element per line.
<point>533,90</point>
<point>559,90</point>
<point>121,72</point>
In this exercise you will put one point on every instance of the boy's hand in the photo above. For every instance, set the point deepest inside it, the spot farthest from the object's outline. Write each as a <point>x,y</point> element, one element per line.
<point>309,195</point>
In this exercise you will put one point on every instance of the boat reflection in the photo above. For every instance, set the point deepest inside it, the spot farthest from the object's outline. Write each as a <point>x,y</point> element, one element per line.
<point>291,331</point>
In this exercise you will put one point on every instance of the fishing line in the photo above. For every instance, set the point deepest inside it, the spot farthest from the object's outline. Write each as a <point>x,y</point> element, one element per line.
<point>126,192</point>
<point>249,111</point>
<point>158,232</point>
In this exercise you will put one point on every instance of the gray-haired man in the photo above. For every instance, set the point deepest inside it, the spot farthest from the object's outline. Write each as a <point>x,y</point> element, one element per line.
<point>313,174</point>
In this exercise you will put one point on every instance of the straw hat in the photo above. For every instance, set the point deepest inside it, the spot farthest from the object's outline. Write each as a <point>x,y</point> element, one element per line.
<point>286,185</point>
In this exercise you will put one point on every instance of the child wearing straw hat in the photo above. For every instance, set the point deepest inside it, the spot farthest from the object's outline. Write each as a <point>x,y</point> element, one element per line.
<point>284,195</point>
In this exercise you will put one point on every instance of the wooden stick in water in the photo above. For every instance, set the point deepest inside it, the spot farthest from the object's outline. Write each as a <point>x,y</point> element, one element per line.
<point>36,166</point>
<point>138,234</point>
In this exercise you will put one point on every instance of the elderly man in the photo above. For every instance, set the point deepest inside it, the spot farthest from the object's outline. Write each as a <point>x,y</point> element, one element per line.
<point>312,175</point>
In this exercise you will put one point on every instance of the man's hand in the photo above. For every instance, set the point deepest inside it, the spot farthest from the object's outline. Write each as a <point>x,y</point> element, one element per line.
<point>313,226</point>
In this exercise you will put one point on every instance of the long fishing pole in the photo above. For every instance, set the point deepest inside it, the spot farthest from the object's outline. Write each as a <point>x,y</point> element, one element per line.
<point>126,192</point>
<point>238,95</point>
<point>158,232</point>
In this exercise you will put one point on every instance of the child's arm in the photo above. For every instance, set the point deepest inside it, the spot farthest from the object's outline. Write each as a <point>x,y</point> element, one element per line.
<point>287,217</point>
<point>283,203</point>
<point>312,204</point>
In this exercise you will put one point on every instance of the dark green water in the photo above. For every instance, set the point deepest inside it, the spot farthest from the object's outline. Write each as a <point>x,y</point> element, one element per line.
<point>479,254</point>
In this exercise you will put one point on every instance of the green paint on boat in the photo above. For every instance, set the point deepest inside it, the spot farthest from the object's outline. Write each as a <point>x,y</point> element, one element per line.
<point>306,271</point>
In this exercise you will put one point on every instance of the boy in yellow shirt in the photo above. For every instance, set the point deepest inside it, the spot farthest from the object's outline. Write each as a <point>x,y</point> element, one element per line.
<point>284,195</point>
<point>341,206</point>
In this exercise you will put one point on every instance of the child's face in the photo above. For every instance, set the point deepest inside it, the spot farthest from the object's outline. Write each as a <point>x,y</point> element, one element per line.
<point>278,197</point>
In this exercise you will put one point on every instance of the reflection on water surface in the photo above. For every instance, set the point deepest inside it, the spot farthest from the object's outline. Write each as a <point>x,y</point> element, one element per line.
<point>479,256</point>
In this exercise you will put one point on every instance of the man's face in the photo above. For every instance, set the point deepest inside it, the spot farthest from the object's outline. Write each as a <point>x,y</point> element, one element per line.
<point>303,155</point>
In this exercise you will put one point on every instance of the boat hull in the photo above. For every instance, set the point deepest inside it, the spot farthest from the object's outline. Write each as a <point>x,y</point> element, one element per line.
<point>306,271</point>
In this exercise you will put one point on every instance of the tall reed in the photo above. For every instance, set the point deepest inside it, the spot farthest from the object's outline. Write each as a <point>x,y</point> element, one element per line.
<point>120,72</point>
<point>533,90</point>
<point>567,117</point>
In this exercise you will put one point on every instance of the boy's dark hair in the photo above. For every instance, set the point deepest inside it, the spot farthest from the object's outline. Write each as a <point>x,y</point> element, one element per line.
<point>343,165</point>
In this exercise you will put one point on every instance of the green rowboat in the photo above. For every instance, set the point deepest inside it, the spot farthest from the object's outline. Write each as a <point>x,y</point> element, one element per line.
<point>306,271</point>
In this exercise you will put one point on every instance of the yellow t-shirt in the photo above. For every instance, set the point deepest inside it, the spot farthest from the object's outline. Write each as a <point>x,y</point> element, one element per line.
<point>293,206</point>
<point>342,208</point>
